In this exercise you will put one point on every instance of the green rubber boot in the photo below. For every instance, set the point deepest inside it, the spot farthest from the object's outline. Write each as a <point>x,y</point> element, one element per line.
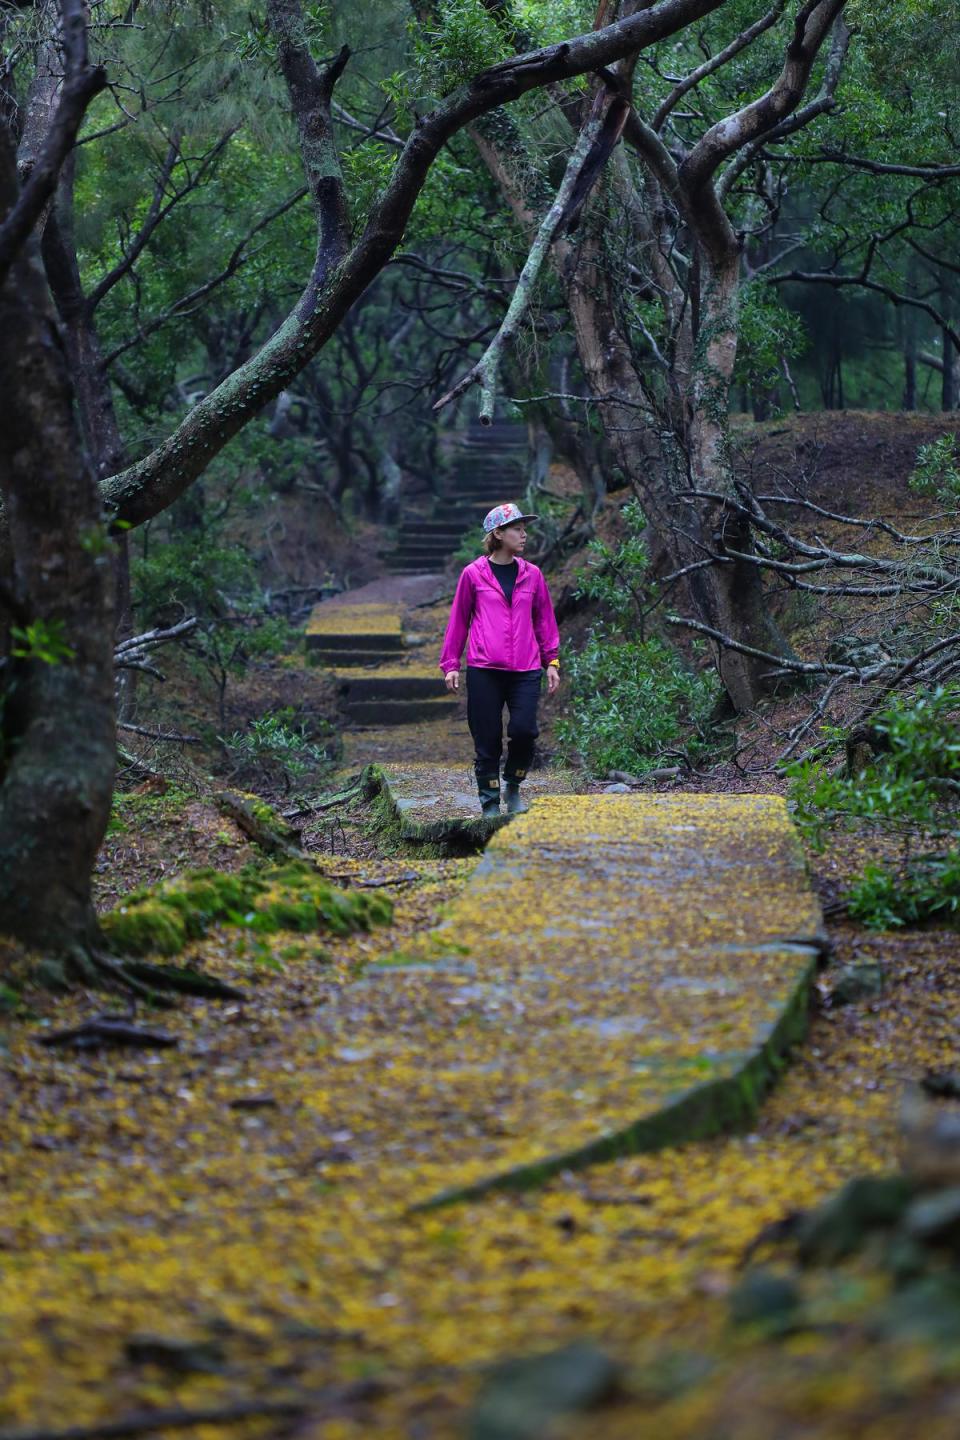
<point>516,805</point>
<point>489,797</point>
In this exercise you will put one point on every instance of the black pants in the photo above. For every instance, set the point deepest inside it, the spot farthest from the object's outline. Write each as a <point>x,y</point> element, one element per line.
<point>487,693</point>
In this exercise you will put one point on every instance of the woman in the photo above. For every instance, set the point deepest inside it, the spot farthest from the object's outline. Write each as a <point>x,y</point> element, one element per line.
<point>504,603</point>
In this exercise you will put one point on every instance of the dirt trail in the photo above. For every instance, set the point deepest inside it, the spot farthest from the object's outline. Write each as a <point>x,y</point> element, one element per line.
<point>228,1223</point>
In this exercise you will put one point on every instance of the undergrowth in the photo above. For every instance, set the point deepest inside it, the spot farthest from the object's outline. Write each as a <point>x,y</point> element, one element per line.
<point>633,700</point>
<point>909,791</point>
<point>162,919</point>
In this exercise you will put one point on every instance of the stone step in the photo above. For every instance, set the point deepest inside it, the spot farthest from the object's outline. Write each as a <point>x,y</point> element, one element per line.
<point>413,567</point>
<point>401,712</point>
<point>384,641</point>
<point>444,529</point>
<point>423,552</point>
<point>349,626</point>
<point>336,659</point>
<point>393,683</point>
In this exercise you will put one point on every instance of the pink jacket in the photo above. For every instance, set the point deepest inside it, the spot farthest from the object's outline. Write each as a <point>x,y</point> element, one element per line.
<point>520,636</point>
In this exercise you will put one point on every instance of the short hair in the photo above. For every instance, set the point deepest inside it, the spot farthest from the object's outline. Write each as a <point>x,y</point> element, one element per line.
<point>491,542</point>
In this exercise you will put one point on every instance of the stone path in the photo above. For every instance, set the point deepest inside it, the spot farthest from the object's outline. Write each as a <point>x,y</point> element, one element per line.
<point>622,972</point>
<point>487,465</point>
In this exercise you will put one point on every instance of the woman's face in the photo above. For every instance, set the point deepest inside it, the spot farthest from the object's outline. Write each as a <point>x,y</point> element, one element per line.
<point>513,538</point>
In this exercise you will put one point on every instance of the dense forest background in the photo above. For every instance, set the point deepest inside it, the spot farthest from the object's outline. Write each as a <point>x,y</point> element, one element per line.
<point>262,268</point>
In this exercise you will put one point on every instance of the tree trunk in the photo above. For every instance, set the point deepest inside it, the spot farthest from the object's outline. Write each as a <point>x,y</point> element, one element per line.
<point>948,377</point>
<point>908,334</point>
<point>94,396</point>
<point>729,596</point>
<point>57,724</point>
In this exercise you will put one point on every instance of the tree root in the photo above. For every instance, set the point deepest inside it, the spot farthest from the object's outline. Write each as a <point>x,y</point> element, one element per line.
<point>137,979</point>
<point>146,1421</point>
<point>109,1030</point>
<point>183,979</point>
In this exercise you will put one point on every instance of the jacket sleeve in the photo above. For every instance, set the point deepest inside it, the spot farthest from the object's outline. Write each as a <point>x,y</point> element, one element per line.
<point>461,612</point>
<point>545,623</point>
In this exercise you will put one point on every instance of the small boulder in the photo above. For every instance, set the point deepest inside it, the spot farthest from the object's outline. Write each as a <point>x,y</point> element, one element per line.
<point>763,1298</point>
<point>935,1219</point>
<point>857,982</point>
<point>523,1398</point>
<point>841,1226</point>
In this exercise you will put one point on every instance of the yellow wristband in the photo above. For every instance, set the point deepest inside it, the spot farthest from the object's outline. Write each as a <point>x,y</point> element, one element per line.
<point>553,662</point>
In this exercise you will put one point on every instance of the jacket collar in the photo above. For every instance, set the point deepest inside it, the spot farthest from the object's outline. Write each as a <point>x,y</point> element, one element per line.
<point>482,567</point>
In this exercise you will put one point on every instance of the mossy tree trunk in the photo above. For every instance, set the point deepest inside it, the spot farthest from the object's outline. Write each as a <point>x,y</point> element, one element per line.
<point>56,681</point>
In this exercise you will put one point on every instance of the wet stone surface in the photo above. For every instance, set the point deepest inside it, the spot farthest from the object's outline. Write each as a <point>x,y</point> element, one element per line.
<point>611,969</point>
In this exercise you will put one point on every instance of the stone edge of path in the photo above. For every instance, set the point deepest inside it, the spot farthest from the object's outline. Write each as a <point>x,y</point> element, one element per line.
<point>716,1106</point>
<point>473,832</point>
<point>711,1107</point>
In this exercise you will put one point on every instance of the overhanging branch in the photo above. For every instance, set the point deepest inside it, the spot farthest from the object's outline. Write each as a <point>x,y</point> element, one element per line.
<point>147,488</point>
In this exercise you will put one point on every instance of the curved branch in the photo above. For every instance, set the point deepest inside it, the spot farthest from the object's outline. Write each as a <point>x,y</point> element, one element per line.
<point>716,62</point>
<point>825,101</point>
<point>897,297</point>
<point>724,139</point>
<point>148,487</point>
<point>607,115</point>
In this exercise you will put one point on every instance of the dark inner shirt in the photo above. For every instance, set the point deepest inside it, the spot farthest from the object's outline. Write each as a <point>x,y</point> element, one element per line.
<point>507,575</point>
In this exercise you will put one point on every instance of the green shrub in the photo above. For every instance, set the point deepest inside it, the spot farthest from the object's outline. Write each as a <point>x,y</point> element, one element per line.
<point>615,577</point>
<point>631,697</point>
<point>275,747</point>
<point>632,700</point>
<point>922,890</point>
<point>911,792</point>
<point>937,471</point>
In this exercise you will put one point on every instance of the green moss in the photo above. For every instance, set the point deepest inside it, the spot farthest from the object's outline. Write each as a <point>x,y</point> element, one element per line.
<point>148,805</point>
<point>145,927</point>
<point>267,815</point>
<point>294,896</point>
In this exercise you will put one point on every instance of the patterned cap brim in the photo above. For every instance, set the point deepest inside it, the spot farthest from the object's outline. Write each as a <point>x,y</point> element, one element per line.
<point>514,520</point>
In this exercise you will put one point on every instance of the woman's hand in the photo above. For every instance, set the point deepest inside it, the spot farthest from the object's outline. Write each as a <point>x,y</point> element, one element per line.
<point>553,679</point>
<point>452,679</point>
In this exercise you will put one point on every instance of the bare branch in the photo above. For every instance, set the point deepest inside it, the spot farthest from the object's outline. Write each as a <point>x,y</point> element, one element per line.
<point>897,297</point>
<point>158,211</point>
<point>150,485</point>
<point>486,370</point>
<point>716,62</point>
<point>189,302</point>
<point>882,167</point>
<point>800,667</point>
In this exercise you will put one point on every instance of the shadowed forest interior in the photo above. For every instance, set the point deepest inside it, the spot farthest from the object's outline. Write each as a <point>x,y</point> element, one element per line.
<point>366,369</point>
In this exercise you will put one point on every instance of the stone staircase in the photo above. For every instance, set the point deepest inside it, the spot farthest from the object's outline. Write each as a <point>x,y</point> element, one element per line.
<point>489,466</point>
<point>378,682</point>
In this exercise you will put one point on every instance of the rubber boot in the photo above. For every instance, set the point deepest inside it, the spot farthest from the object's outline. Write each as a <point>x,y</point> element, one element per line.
<point>489,797</point>
<point>516,805</point>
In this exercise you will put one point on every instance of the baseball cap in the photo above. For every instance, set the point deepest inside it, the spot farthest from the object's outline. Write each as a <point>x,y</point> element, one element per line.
<point>504,515</point>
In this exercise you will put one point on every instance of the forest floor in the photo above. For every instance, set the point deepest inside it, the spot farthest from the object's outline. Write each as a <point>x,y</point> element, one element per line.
<point>215,1239</point>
